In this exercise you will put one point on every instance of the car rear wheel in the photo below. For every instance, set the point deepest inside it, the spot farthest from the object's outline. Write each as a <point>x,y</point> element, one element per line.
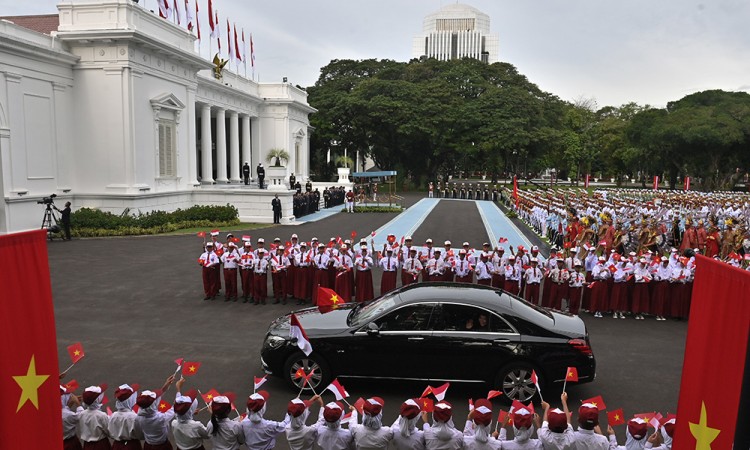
<point>312,367</point>
<point>514,380</point>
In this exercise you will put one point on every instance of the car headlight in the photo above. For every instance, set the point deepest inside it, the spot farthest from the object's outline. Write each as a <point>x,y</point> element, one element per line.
<point>275,341</point>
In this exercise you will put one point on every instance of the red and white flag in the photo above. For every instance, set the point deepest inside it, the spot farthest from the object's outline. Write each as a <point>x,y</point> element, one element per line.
<point>237,50</point>
<point>252,51</point>
<point>687,183</point>
<point>535,380</point>
<point>230,42</point>
<point>177,13</point>
<point>189,14</point>
<point>586,183</point>
<point>244,46</point>
<point>338,390</point>
<point>212,20</point>
<point>165,11</point>
<point>218,33</point>
<point>656,182</point>
<point>197,20</point>
<point>439,392</point>
<point>258,382</point>
<point>296,331</point>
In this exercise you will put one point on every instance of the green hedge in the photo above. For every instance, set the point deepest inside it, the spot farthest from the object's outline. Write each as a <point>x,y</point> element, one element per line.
<point>92,222</point>
<point>376,209</point>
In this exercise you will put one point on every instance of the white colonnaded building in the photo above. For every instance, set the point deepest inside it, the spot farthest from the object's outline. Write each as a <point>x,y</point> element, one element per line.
<point>457,31</point>
<point>110,106</point>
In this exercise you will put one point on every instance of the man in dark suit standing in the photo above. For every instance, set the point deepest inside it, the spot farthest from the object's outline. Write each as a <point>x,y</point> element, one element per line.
<point>261,175</point>
<point>65,220</point>
<point>276,205</point>
<point>292,181</point>
<point>246,173</point>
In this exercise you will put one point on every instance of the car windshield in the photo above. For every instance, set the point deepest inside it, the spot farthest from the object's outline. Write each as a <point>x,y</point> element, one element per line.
<point>364,313</point>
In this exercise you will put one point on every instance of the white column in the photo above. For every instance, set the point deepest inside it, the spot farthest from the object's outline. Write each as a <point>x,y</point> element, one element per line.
<point>192,150</point>
<point>221,146</point>
<point>234,147</point>
<point>207,169</point>
<point>246,150</point>
<point>255,124</point>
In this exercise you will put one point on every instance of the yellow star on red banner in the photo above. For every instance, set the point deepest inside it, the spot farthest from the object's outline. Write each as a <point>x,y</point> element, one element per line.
<point>335,299</point>
<point>703,434</point>
<point>30,384</point>
<point>192,368</point>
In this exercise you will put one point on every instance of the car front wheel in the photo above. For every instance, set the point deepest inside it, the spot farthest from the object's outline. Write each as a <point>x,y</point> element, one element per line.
<point>515,382</point>
<point>306,372</point>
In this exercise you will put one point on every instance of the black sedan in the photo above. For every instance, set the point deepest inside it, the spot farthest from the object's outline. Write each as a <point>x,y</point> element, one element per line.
<point>435,332</point>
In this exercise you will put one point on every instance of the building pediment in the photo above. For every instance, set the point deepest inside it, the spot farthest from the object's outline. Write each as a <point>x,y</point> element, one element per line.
<point>167,101</point>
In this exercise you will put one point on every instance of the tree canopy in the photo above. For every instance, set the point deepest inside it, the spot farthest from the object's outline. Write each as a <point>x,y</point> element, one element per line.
<point>432,118</point>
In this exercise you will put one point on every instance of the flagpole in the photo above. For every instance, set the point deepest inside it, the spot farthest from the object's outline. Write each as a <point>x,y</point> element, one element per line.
<point>66,370</point>
<point>565,383</point>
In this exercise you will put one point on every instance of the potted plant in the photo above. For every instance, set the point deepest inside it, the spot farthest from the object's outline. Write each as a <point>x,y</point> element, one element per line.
<point>343,163</point>
<point>279,155</point>
<point>276,172</point>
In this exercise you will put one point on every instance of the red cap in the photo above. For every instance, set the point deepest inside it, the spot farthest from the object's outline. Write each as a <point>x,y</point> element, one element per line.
<point>221,404</point>
<point>183,402</point>
<point>147,398</point>
<point>522,417</point>
<point>333,411</point>
<point>638,428</point>
<point>558,420</point>
<point>588,414</point>
<point>373,406</point>
<point>443,411</point>
<point>482,412</point>
<point>296,407</point>
<point>669,423</point>
<point>123,392</point>
<point>410,409</point>
<point>256,401</point>
<point>91,393</point>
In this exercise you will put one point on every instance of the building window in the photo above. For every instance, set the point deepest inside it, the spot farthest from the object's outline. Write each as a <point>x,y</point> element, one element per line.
<point>167,148</point>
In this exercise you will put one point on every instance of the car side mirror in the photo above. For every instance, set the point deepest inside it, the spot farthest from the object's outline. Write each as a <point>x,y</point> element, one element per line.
<point>373,329</point>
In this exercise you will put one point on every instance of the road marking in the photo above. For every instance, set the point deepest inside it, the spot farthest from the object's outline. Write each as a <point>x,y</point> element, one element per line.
<point>406,223</point>
<point>499,225</point>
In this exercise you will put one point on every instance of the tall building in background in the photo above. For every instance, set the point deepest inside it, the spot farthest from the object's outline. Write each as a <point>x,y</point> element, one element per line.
<point>457,31</point>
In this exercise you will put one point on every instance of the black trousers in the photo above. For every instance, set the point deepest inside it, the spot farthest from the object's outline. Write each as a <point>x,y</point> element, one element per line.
<point>260,182</point>
<point>66,229</point>
<point>277,217</point>
<point>247,179</point>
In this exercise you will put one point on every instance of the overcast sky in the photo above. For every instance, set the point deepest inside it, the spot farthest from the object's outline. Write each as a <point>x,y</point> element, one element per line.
<point>647,51</point>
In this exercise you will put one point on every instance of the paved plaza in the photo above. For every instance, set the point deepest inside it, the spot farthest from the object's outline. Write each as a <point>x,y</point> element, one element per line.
<point>136,305</point>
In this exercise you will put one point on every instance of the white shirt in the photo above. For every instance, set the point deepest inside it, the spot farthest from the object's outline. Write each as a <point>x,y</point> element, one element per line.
<point>369,439</point>
<point>512,273</point>
<point>302,438</point>
<point>230,259</point>
<point>92,425</point>
<point>363,263</point>
<point>415,441</point>
<point>588,440</point>
<point>188,435</point>
<point>229,436</point>
<point>123,426</point>
<point>432,442</point>
<point>262,435</point>
<point>70,421</point>
<point>413,265</point>
<point>483,270</point>
<point>155,429</point>
<point>209,259</point>
<point>556,441</point>
<point>340,439</point>
<point>388,264</point>
<point>278,262</point>
<point>576,279</point>
<point>435,266</point>
<point>533,275</point>
<point>462,267</point>
<point>321,261</point>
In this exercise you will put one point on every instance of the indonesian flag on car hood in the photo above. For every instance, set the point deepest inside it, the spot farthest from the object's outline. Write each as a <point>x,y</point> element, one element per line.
<point>296,331</point>
<point>338,390</point>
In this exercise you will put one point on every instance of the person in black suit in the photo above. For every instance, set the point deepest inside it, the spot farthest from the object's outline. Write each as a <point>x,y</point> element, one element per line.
<point>292,181</point>
<point>276,205</point>
<point>246,173</point>
<point>261,175</point>
<point>65,219</point>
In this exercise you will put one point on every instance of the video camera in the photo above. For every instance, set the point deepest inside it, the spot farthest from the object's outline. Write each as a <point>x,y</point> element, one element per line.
<point>47,200</point>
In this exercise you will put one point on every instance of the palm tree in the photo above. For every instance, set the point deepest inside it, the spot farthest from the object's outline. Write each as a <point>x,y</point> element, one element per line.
<point>343,161</point>
<point>279,154</point>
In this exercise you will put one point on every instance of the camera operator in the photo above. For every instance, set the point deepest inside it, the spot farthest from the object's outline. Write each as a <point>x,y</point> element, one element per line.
<point>65,219</point>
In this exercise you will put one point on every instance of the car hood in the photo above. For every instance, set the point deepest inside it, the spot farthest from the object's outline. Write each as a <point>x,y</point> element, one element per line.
<point>315,323</point>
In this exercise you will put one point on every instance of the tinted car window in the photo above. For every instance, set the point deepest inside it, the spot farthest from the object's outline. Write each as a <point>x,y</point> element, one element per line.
<point>366,312</point>
<point>408,318</point>
<point>469,318</point>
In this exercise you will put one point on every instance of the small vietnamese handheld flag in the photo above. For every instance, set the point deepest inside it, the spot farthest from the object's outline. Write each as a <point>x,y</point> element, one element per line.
<point>297,332</point>
<point>572,374</point>
<point>76,352</point>
<point>209,396</point>
<point>597,401</point>
<point>502,416</point>
<point>190,368</point>
<point>427,391</point>
<point>354,234</point>
<point>201,234</point>
<point>164,406</point>
<point>426,404</point>
<point>258,382</point>
<point>71,385</point>
<point>616,417</point>
<point>338,390</point>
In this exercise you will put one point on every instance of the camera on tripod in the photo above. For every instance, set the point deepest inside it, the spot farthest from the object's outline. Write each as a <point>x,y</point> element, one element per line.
<point>47,200</point>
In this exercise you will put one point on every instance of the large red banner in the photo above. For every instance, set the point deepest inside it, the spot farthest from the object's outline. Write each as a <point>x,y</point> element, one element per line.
<point>714,357</point>
<point>30,410</point>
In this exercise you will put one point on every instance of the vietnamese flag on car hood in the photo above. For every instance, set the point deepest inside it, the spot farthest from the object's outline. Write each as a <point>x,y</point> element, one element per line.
<point>29,373</point>
<point>297,332</point>
<point>328,299</point>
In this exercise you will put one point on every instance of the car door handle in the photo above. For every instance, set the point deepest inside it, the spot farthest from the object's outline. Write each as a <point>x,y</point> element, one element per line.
<point>416,339</point>
<point>501,341</point>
